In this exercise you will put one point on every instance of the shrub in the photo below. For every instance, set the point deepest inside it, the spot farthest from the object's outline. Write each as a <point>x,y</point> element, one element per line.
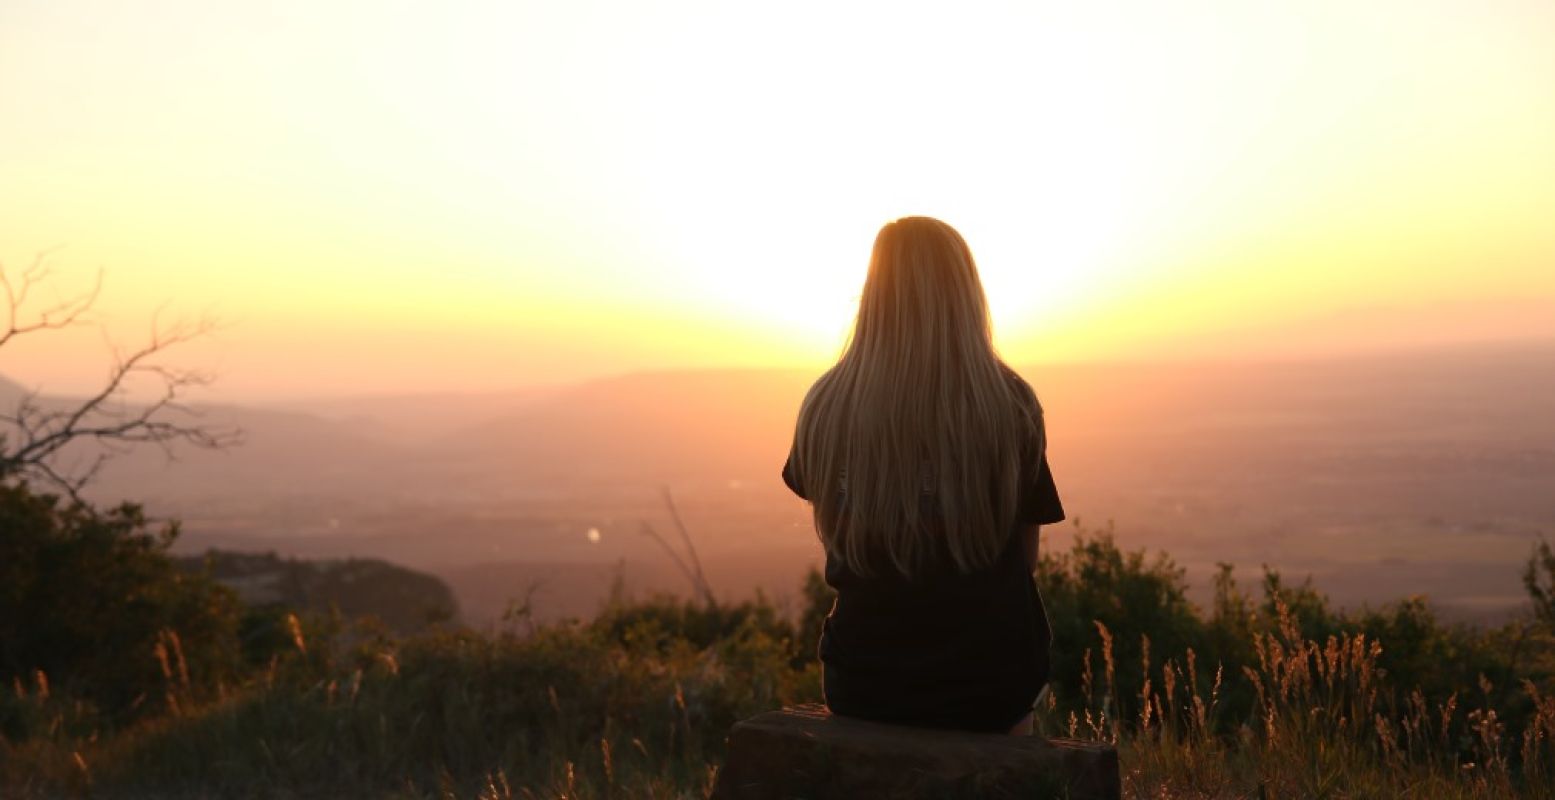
<point>1096,594</point>
<point>91,605</point>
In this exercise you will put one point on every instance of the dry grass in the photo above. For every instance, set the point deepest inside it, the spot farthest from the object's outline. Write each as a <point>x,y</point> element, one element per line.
<point>1324,724</point>
<point>569,714</point>
<point>636,706</point>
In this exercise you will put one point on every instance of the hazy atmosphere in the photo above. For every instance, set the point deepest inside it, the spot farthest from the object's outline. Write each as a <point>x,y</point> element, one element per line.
<point>417,229</point>
<point>489,322</point>
<point>398,198</point>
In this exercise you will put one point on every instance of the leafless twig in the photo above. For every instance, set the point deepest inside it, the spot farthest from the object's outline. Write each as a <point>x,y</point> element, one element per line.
<point>691,550</point>
<point>692,570</point>
<point>62,314</point>
<point>35,434</point>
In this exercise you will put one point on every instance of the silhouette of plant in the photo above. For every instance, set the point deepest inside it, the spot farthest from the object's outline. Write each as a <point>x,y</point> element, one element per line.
<point>64,444</point>
<point>1539,580</point>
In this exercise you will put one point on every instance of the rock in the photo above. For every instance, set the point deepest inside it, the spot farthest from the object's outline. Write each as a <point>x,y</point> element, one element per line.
<point>807,752</point>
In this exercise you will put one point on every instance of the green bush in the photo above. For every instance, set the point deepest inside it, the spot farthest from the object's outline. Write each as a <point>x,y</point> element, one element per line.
<point>1095,593</point>
<point>636,702</point>
<point>92,607</point>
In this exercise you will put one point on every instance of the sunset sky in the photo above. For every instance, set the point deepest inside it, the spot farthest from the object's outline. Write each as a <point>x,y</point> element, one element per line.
<point>384,196</point>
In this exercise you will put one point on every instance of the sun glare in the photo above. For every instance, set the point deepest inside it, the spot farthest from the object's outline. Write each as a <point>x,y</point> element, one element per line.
<point>699,183</point>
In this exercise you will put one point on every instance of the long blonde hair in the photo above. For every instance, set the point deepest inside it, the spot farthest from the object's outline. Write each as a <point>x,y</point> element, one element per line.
<point>919,406</point>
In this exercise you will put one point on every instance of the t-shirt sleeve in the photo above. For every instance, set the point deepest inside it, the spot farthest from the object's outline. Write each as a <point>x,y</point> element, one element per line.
<point>1039,503</point>
<point>790,478</point>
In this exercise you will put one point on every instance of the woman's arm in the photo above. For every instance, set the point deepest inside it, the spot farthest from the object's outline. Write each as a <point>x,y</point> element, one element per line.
<point>1029,537</point>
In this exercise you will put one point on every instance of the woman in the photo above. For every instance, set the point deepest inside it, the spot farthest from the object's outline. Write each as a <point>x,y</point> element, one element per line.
<point>924,458</point>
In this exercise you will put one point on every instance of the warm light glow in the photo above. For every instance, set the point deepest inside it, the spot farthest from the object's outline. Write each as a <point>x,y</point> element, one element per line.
<point>475,195</point>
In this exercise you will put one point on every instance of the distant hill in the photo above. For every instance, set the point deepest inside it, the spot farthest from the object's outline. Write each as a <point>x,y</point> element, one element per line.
<point>1380,475</point>
<point>10,391</point>
<point>403,599</point>
<point>420,418</point>
<point>674,426</point>
<point>285,455</point>
<point>656,427</point>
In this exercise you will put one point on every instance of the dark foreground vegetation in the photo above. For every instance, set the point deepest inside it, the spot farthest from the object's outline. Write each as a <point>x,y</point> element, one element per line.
<point>126,675</point>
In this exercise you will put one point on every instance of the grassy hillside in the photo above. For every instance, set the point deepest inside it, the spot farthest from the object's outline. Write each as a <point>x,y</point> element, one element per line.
<point>1267,693</point>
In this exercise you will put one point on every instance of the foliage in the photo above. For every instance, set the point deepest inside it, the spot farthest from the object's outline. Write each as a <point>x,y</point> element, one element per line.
<point>1274,696</point>
<point>1096,593</point>
<point>665,622</point>
<point>818,600</point>
<point>1539,580</point>
<point>574,707</point>
<point>91,608</point>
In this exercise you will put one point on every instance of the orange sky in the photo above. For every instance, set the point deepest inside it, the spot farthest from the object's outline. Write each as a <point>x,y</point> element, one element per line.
<point>393,197</point>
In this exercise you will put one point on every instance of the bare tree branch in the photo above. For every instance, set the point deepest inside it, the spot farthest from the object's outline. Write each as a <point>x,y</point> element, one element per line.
<point>34,434</point>
<point>692,570</point>
<point>62,314</point>
<point>691,550</point>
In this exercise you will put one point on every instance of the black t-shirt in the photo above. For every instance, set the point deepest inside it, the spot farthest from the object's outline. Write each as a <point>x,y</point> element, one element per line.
<point>952,650</point>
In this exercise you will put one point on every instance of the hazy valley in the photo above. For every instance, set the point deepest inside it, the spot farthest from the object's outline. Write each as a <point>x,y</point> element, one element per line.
<point>1381,476</point>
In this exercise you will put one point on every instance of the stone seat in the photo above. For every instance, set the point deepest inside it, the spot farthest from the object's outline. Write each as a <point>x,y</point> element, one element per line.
<point>807,752</point>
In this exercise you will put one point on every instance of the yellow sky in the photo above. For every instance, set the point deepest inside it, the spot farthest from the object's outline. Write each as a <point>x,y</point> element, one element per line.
<point>404,196</point>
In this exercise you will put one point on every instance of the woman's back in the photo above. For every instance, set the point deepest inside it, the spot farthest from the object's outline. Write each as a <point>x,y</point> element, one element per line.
<point>944,648</point>
<point>924,459</point>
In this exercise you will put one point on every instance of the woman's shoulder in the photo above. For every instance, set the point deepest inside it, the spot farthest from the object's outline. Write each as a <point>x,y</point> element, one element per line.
<point>1022,389</point>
